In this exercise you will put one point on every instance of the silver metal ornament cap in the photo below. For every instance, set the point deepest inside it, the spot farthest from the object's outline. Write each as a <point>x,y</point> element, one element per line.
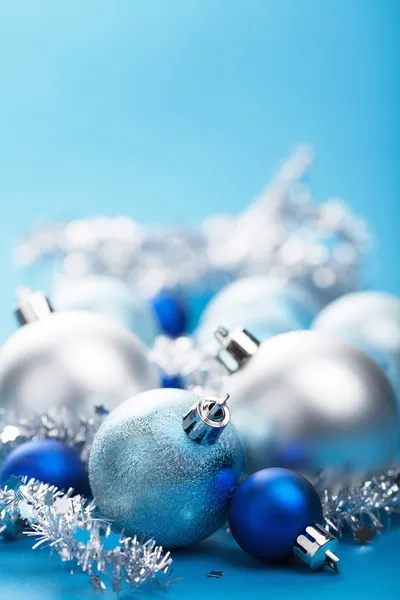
<point>31,306</point>
<point>207,419</point>
<point>317,547</point>
<point>237,347</point>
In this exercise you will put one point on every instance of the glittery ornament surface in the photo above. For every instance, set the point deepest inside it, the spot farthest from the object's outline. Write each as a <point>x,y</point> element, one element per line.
<point>151,479</point>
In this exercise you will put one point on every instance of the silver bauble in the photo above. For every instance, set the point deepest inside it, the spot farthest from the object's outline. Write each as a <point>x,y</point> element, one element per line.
<point>312,403</point>
<point>75,360</point>
<point>152,479</point>
<point>371,321</point>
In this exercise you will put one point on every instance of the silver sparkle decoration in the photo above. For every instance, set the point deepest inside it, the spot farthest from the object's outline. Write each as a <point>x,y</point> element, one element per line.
<point>195,365</point>
<point>369,504</point>
<point>62,425</point>
<point>61,522</point>
<point>283,232</point>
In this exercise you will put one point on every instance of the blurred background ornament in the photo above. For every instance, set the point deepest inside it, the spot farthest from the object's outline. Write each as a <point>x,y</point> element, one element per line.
<point>75,360</point>
<point>371,321</point>
<point>310,402</point>
<point>282,233</point>
<point>264,305</point>
<point>48,461</point>
<point>109,297</point>
<point>165,464</point>
<point>171,312</point>
<point>276,514</point>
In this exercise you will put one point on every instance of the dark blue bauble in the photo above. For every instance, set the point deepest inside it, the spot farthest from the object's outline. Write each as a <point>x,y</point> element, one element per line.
<point>171,381</point>
<point>270,509</point>
<point>48,461</point>
<point>170,312</point>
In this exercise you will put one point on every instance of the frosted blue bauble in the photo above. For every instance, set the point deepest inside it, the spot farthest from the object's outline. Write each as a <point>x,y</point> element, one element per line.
<point>108,297</point>
<point>48,461</point>
<point>370,321</point>
<point>151,479</point>
<point>263,305</point>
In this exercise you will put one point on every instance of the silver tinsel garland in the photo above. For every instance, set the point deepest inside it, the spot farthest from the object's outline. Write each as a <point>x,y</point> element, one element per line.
<point>283,232</point>
<point>366,506</point>
<point>71,526</point>
<point>74,431</point>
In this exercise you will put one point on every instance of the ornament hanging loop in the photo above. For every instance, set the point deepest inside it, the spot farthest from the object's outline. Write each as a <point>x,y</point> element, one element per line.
<point>31,306</point>
<point>236,347</point>
<point>316,547</point>
<point>207,419</point>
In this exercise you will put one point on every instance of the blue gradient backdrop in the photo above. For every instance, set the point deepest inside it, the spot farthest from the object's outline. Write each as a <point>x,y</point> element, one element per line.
<point>171,110</point>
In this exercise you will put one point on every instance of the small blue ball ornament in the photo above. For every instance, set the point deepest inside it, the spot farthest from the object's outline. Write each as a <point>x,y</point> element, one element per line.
<point>170,312</point>
<point>48,461</point>
<point>109,297</point>
<point>165,464</point>
<point>171,381</point>
<point>371,321</point>
<point>272,512</point>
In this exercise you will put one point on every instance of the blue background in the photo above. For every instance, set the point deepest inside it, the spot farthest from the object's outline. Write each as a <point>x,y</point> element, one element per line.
<point>171,110</point>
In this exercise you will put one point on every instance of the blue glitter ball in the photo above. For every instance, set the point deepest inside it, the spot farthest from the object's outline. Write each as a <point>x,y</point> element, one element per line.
<point>48,461</point>
<point>170,312</point>
<point>270,509</point>
<point>151,479</point>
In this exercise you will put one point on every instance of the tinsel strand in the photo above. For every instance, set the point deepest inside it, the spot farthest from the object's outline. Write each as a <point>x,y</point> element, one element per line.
<point>61,521</point>
<point>371,503</point>
<point>61,425</point>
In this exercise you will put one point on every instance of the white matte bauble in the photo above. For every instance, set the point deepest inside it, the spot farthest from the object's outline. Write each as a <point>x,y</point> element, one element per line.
<point>75,360</point>
<point>264,305</point>
<point>109,297</point>
<point>312,403</point>
<point>370,321</point>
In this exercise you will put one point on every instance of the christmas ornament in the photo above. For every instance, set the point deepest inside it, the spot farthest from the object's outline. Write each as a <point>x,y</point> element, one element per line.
<point>285,300</point>
<point>48,461</point>
<point>109,297</point>
<point>264,305</point>
<point>73,527</point>
<point>370,321</point>
<point>164,464</point>
<point>306,401</point>
<point>274,515</point>
<point>74,359</point>
<point>171,381</point>
<point>170,312</point>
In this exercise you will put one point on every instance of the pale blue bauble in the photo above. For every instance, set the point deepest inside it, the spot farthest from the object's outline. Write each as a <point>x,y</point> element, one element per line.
<point>108,297</point>
<point>264,305</point>
<point>370,321</point>
<point>151,479</point>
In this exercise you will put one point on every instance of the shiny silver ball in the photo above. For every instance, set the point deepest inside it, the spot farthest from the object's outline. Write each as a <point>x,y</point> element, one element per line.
<point>75,360</point>
<point>370,321</point>
<point>151,479</point>
<point>312,403</point>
